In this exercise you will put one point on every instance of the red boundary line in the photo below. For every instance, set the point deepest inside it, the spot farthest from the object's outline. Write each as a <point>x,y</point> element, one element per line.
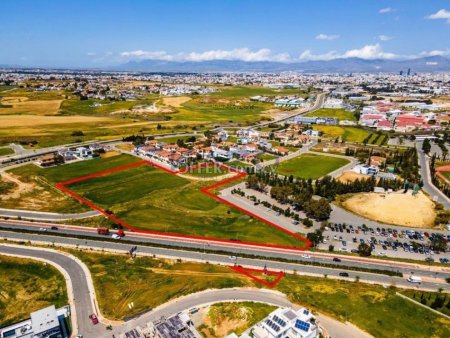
<point>207,190</point>
<point>247,272</point>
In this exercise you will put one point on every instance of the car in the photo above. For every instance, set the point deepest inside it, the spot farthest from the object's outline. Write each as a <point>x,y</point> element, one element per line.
<point>93,319</point>
<point>444,260</point>
<point>429,259</point>
<point>54,228</point>
<point>381,253</point>
<point>344,243</point>
<point>232,258</point>
<point>115,236</point>
<point>361,241</point>
<point>80,336</point>
<point>343,274</point>
<point>42,229</point>
<point>335,259</point>
<point>384,247</point>
<point>306,256</point>
<point>343,249</point>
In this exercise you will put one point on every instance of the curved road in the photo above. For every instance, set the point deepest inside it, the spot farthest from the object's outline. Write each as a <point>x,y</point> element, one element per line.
<point>80,288</point>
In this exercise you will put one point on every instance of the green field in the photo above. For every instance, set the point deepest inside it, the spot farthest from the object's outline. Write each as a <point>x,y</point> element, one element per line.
<point>151,199</point>
<point>373,308</point>
<point>340,114</point>
<point>266,157</point>
<point>430,299</point>
<point>27,286</point>
<point>347,134</point>
<point>6,151</point>
<point>207,172</point>
<point>310,166</point>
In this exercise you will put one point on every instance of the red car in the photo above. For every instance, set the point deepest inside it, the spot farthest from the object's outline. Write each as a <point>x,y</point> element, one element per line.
<point>94,319</point>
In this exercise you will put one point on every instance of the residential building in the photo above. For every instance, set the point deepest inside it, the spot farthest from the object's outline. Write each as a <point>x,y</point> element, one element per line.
<point>48,322</point>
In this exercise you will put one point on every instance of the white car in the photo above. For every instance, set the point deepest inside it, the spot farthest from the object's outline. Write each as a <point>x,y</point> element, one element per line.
<point>115,236</point>
<point>306,256</point>
<point>343,249</point>
<point>42,229</point>
<point>232,258</point>
<point>382,253</point>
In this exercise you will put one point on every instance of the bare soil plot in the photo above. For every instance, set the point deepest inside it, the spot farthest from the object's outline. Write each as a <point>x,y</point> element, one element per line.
<point>395,208</point>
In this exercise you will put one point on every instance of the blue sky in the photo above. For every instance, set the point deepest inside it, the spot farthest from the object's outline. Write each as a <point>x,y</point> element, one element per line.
<point>98,33</point>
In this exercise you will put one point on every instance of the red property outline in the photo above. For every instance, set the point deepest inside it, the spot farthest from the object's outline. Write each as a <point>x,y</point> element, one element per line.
<point>246,272</point>
<point>207,190</point>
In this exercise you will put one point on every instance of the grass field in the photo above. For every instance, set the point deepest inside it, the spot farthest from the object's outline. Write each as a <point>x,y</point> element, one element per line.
<point>225,318</point>
<point>207,172</point>
<point>6,151</point>
<point>310,166</point>
<point>266,157</point>
<point>429,299</point>
<point>340,114</point>
<point>373,308</point>
<point>32,188</point>
<point>27,286</point>
<point>151,199</point>
<point>348,134</point>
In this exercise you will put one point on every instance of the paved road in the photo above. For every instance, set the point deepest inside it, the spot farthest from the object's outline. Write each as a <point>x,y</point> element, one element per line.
<point>84,298</point>
<point>433,276</point>
<point>46,216</point>
<point>428,186</point>
<point>317,105</point>
<point>81,293</point>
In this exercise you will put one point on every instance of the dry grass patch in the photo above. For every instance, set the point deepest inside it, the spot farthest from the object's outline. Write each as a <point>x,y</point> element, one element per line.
<point>351,176</point>
<point>8,121</point>
<point>175,101</point>
<point>109,154</point>
<point>22,105</point>
<point>395,208</point>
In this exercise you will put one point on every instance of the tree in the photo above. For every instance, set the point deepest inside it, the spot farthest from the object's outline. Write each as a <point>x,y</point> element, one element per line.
<point>315,237</point>
<point>426,146</point>
<point>320,209</point>
<point>364,250</point>
<point>307,222</point>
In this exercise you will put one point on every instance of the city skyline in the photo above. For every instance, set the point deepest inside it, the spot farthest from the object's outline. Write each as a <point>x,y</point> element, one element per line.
<point>107,35</point>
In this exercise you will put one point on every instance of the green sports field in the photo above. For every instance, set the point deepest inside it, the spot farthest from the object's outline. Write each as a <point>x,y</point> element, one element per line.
<point>310,166</point>
<point>152,199</point>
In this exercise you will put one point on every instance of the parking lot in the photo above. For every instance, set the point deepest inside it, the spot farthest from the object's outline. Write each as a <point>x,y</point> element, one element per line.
<point>385,241</point>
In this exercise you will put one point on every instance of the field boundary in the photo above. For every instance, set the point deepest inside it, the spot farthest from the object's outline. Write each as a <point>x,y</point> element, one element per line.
<point>248,272</point>
<point>206,190</point>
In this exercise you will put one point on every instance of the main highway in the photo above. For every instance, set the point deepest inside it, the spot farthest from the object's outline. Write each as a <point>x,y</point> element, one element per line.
<point>273,259</point>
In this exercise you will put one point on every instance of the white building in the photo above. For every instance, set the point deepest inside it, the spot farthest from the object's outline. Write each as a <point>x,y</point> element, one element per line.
<point>284,323</point>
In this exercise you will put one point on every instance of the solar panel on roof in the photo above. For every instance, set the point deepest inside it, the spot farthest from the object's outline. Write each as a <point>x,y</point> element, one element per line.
<point>301,325</point>
<point>305,312</point>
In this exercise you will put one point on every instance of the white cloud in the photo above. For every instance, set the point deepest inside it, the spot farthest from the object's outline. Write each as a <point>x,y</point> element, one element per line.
<point>327,37</point>
<point>384,37</point>
<point>243,54</point>
<point>91,54</point>
<point>368,52</point>
<point>442,14</point>
<point>386,10</point>
<point>436,52</point>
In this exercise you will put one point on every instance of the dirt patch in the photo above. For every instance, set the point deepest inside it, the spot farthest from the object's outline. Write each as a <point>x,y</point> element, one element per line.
<point>125,146</point>
<point>109,154</point>
<point>220,324</point>
<point>351,176</point>
<point>395,208</point>
<point>19,188</point>
<point>21,105</point>
<point>175,101</point>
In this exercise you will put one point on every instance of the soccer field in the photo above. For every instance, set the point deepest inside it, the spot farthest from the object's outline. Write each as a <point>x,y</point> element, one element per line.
<point>310,166</point>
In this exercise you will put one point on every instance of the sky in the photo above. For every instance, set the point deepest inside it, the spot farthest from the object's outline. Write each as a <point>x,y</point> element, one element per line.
<point>98,33</point>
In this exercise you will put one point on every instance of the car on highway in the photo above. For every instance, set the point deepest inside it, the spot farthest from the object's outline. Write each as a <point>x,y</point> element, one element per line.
<point>414,279</point>
<point>42,229</point>
<point>93,319</point>
<point>232,258</point>
<point>115,236</point>
<point>335,259</point>
<point>306,256</point>
<point>54,228</point>
<point>343,274</point>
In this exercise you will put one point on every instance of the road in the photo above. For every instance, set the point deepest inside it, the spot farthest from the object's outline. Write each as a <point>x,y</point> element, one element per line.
<point>80,287</point>
<point>433,275</point>
<point>317,105</point>
<point>428,186</point>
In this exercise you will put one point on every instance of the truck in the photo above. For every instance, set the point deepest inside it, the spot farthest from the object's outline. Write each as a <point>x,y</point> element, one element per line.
<point>414,279</point>
<point>103,231</point>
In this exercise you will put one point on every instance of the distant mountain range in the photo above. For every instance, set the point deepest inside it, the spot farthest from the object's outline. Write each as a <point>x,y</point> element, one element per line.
<point>349,65</point>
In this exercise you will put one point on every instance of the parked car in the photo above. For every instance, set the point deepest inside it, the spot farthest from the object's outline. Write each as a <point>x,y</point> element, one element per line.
<point>93,319</point>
